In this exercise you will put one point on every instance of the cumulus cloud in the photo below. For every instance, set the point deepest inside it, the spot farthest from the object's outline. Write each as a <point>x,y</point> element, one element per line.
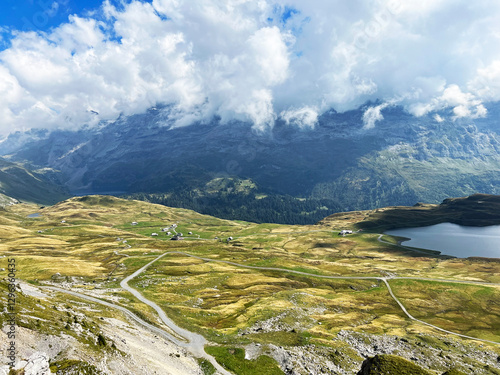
<point>253,60</point>
<point>463,104</point>
<point>305,117</point>
<point>372,115</point>
<point>486,84</point>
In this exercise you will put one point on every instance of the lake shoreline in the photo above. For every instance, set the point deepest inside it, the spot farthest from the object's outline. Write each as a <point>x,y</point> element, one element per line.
<point>449,239</point>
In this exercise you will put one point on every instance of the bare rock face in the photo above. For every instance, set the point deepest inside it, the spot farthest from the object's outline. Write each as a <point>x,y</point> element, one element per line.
<point>38,364</point>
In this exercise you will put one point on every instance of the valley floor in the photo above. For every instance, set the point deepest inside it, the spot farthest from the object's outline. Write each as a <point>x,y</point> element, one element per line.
<point>290,299</point>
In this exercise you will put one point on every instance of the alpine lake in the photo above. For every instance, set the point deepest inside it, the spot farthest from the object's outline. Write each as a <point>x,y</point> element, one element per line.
<point>452,239</point>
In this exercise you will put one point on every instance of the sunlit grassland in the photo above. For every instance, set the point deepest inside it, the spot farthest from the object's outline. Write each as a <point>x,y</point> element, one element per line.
<point>465,269</point>
<point>11,230</point>
<point>214,297</point>
<point>468,309</point>
<point>234,360</point>
<point>43,267</point>
<point>227,303</point>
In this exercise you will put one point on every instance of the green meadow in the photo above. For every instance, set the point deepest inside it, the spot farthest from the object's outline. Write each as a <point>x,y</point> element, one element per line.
<point>90,242</point>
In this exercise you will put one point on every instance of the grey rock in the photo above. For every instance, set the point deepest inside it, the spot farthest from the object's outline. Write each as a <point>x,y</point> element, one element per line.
<point>38,364</point>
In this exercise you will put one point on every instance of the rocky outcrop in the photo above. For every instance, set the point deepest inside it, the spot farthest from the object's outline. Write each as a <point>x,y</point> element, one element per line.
<point>426,351</point>
<point>38,364</point>
<point>311,359</point>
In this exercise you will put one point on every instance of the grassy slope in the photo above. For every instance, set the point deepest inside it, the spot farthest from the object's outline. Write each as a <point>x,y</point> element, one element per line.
<point>234,360</point>
<point>391,364</point>
<point>227,303</point>
<point>387,364</point>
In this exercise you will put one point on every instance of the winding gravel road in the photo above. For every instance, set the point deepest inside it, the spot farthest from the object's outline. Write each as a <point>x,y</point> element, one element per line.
<point>428,324</point>
<point>197,340</point>
<point>383,279</point>
<point>195,343</point>
<point>127,312</point>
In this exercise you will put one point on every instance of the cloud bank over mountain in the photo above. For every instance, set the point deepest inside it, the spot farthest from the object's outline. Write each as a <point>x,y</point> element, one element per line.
<point>253,60</point>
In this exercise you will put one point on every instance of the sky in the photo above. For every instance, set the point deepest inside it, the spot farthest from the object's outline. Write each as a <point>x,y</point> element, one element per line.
<point>33,15</point>
<point>69,63</point>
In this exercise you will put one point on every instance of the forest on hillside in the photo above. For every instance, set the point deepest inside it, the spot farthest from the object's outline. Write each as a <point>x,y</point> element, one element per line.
<point>282,209</point>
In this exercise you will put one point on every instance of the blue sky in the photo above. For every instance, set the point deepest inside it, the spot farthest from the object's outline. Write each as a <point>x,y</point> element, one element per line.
<point>41,14</point>
<point>246,60</point>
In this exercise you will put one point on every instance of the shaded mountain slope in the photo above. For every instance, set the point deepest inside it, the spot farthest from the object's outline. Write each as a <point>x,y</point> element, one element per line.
<point>401,161</point>
<point>40,186</point>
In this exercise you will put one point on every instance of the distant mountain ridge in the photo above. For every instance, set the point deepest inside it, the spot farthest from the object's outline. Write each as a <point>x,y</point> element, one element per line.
<point>19,182</point>
<point>403,160</point>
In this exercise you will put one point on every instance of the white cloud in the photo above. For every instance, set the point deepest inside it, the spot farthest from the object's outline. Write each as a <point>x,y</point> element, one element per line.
<point>259,107</point>
<point>438,118</point>
<point>305,117</point>
<point>254,60</point>
<point>372,115</point>
<point>54,8</point>
<point>463,104</point>
<point>486,84</point>
<point>270,54</point>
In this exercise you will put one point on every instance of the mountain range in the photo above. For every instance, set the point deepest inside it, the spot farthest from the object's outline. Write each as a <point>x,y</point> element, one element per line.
<point>402,160</point>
